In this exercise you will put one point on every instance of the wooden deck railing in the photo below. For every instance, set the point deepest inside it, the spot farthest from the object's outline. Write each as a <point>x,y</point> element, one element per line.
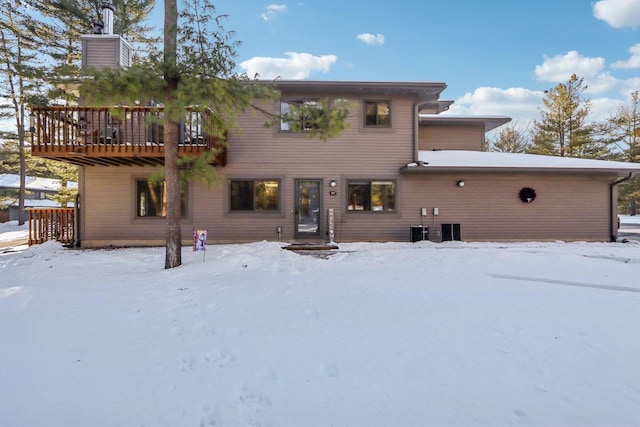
<point>51,224</point>
<point>84,135</point>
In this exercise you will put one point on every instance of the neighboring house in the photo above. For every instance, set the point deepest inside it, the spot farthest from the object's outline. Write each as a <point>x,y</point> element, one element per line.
<point>401,164</point>
<point>36,187</point>
<point>38,191</point>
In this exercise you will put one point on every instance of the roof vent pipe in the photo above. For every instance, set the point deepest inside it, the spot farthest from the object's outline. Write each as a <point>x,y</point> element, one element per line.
<point>107,16</point>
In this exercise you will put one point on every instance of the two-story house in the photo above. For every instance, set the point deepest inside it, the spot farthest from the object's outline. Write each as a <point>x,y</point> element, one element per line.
<point>400,164</point>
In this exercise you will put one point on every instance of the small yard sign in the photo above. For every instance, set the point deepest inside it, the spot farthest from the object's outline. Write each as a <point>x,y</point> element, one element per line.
<point>199,240</point>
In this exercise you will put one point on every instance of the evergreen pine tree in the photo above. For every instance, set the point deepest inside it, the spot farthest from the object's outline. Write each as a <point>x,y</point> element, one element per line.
<point>21,74</point>
<point>622,131</point>
<point>563,129</point>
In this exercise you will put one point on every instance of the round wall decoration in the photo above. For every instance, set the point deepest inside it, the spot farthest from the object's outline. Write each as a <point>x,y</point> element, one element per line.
<point>527,194</point>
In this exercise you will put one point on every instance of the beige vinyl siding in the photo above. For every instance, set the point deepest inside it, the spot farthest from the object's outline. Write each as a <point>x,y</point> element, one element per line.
<point>211,211</point>
<point>109,206</point>
<point>448,137</point>
<point>260,153</point>
<point>376,150</point>
<point>487,208</point>
<point>567,207</point>
<point>357,153</point>
<point>105,51</point>
<point>125,55</point>
<point>256,152</point>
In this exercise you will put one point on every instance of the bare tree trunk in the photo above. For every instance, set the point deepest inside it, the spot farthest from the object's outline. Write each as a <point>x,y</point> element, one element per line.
<point>172,182</point>
<point>23,173</point>
<point>173,254</point>
<point>12,56</point>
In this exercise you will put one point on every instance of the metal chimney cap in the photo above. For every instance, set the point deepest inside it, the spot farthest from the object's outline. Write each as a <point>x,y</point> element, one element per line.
<point>107,4</point>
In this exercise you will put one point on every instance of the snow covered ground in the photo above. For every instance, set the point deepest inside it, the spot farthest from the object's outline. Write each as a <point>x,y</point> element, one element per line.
<point>393,334</point>
<point>10,231</point>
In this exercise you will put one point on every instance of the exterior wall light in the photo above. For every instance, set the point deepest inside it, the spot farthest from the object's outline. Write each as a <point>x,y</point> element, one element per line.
<point>460,183</point>
<point>333,184</point>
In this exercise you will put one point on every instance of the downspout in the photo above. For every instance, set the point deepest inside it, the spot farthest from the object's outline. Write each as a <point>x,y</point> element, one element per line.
<point>76,225</point>
<point>416,123</point>
<point>611,208</point>
<point>416,127</point>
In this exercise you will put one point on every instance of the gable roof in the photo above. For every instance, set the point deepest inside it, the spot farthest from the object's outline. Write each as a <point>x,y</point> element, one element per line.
<point>480,161</point>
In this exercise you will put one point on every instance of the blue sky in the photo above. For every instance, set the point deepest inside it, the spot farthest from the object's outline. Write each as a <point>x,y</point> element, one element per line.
<point>497,57</point>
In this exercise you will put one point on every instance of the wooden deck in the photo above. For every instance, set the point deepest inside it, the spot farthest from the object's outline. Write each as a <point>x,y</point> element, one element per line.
<point>112,137</point>
<point>51,224</point>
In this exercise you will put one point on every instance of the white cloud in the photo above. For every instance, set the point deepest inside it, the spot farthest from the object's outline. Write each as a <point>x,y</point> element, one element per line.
<point>601,83</point>
<point>605,91</point>
<point>296,66</point>
<point>603,108</point>
<point>561,67</point>
<point>618,13</point>
<point>518,103</point>
<point>634,59</point>
<point>371,39</point>
<point>629,85</point>
<point>273,10</point>
<point>522,105</point>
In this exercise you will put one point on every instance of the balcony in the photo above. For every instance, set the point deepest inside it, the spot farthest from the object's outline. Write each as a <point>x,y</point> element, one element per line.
<point>95,136</point>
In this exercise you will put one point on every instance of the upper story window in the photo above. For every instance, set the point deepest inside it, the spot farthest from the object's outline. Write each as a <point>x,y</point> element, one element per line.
<point>151,199</point>
<point>377,113</point>
<point>372,196</point>
<point>254,195</point>
<point>299,115</point>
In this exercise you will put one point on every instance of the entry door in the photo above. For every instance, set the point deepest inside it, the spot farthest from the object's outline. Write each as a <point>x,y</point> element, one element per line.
<point>308,208</point>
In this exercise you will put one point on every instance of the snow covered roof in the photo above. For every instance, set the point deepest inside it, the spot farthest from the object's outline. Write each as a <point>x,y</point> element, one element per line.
<point>33,183</point>
<point>480,161</point>
<point>36,203</point>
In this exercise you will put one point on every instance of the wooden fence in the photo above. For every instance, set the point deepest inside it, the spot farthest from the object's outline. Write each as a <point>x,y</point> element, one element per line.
<point>51,224</point>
